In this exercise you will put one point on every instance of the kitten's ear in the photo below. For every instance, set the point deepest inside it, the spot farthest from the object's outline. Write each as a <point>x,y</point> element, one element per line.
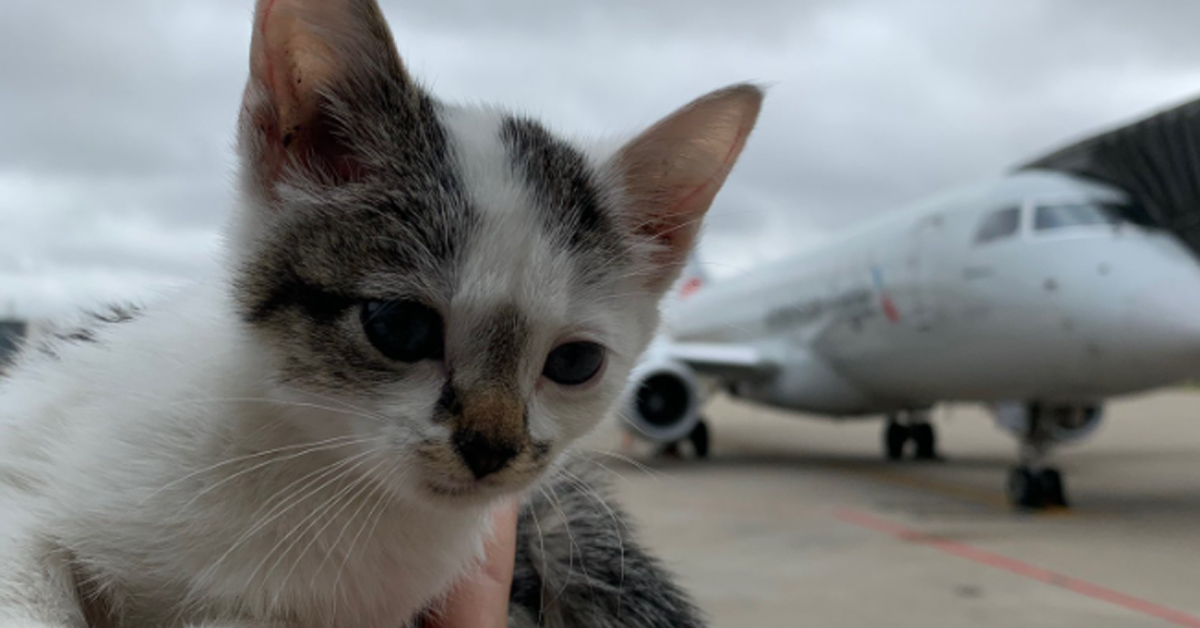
<point>673,170</point>
<point>303,53</point>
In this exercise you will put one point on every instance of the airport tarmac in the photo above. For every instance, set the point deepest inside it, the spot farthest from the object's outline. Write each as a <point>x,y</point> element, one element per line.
<point>796,522</point>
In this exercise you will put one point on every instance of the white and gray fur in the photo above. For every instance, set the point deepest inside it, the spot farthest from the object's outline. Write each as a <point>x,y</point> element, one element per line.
<point>240,455</point>
<point>579,562</point>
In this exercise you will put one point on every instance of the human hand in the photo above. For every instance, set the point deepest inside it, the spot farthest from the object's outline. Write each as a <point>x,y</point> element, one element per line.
<point>481,600</point>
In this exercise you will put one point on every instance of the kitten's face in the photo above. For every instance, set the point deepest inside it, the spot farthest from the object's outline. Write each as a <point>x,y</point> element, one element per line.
<point>463,293</point>
<point>477,320</point>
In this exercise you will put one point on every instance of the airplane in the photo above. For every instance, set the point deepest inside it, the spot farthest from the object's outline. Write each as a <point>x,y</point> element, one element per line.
<point>1072,279</point>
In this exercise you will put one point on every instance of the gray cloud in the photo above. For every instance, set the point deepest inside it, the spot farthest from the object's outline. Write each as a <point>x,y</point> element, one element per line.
<point>116,117</point>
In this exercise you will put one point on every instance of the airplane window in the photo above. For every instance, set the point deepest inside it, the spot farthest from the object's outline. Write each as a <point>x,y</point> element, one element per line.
<point>1073,215</point>
<point>1132,212</point>
<point>999,224</point>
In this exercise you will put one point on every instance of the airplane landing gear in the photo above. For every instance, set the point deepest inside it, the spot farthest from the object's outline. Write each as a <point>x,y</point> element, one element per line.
<point>1029,489</point>
<point>698,437</point>
<point>1034,484</point>
<point>895,436</point>
<point>925,439</point>
<point>914,427</point>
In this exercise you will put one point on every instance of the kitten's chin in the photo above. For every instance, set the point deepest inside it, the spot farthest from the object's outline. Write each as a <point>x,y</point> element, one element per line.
<point>462,495</point>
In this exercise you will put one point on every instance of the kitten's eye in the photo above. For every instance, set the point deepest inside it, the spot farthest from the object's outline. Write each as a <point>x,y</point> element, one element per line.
<point>574,363</point>
<point>403,330</point>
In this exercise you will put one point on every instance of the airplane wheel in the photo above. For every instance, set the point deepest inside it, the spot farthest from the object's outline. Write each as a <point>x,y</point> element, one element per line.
<point>925,438</point>
<point>1024,489</point>
<point>699,438</point>
<point>1032,491</point>
<point>1053,492</point>
<point>895,436</point>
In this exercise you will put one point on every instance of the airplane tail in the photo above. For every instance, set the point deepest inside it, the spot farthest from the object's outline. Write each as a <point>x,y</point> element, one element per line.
<point>693,277</point>
<point>1155,160</point>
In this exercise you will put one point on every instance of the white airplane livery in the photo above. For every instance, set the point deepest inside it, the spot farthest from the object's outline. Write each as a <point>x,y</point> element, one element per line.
<point>1041,294</point>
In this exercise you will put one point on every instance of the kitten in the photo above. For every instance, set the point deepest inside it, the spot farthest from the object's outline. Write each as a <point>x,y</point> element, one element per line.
<point>422,307</point>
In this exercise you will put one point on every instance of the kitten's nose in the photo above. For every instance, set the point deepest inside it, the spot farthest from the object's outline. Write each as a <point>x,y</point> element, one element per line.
<point>482,455</point>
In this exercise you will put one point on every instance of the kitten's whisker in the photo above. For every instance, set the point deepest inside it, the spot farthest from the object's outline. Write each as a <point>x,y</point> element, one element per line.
<point>307,519</point>
<point>286,403</point>
<point>333,442</point>
<point>343,403</point>
<point>266,463</point>
<point>373,517</point>
<point>653,473</point>
<point>545,564</point>
<point>552,499</point>
<point>369,485</point>
<point>282,497</point>
<point>288,502</point>
<point>349,494</point>
<point>590,492</point>
<point>673,228</point>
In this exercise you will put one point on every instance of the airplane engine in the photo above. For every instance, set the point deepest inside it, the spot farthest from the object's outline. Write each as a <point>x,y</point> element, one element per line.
<point>662,403</point>
<point>1062,423</point>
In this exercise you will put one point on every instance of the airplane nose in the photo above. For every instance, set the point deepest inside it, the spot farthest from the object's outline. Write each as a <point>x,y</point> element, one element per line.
<point>483,456</point>
<point>1167,319</point>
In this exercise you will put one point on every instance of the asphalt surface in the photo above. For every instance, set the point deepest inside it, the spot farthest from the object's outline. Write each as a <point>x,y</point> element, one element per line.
<point>796,521</point>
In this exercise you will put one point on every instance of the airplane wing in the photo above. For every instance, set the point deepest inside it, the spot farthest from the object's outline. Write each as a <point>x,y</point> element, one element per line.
<point>1155,160</point>
<point>722,361</point>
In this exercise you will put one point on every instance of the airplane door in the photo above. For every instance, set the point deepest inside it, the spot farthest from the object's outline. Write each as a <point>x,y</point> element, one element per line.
<point>925,242</point>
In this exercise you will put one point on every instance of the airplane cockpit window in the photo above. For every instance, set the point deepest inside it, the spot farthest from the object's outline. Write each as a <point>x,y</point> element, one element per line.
<point>1066,215</point>
<point>999,224</point>
<point>1132,212</point>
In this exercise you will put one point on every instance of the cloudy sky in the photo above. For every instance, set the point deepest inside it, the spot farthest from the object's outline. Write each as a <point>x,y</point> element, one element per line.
<point>116,117</point>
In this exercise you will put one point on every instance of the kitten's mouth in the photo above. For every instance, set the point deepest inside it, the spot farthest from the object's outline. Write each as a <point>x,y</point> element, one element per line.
<point>473,490</point>
<point>443,490</point>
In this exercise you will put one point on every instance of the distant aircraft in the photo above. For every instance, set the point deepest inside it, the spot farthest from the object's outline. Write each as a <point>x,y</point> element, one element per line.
<point>1070,280</point>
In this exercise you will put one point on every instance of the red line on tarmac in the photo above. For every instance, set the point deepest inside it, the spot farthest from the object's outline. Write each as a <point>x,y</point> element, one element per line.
<point>1020,568</point>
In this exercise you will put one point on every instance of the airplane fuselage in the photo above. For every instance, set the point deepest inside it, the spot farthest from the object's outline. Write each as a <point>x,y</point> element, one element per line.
<point>1028,287</point>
